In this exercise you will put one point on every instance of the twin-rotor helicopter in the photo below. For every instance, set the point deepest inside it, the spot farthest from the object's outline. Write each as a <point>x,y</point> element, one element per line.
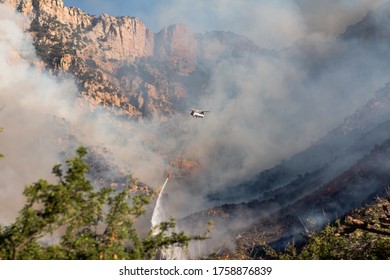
<point>196,113</point>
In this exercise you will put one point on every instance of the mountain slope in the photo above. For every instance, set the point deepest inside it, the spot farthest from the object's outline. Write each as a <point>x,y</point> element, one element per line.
<point>119,63</point>
<point>319,196</point>
<point>343,170</point>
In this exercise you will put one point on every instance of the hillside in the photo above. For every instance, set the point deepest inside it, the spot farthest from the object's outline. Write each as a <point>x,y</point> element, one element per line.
<point>344,170</point>
<point>362,234</point>
<point>118,62</point>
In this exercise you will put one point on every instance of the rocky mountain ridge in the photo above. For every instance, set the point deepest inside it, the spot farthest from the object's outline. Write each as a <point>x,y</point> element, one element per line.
<point>118,62</point>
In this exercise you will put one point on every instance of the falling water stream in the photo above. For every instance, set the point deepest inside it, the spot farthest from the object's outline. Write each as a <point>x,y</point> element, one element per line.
<point>158,214</point>
<point>175,252</point>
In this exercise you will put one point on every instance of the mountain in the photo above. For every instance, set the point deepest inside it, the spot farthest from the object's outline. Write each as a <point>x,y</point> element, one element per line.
<point>119,63</point>
<point>373,28</point>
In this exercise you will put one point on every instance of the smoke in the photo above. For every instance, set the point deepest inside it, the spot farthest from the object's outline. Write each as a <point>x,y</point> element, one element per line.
<point>44,116</point>
<point>271,24</point>
<point>267,107</point>
<point>29,97</point>
<point>331,17</point>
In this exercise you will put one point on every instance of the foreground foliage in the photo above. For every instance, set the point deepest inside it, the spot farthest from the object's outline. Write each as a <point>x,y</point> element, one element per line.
<point>362,235</point>
<point>72,220</point>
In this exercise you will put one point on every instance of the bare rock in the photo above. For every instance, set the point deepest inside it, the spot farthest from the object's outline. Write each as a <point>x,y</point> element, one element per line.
<point>177,45</point>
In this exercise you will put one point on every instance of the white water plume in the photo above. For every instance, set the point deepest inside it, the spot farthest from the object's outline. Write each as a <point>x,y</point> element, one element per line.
<point>158,213</point>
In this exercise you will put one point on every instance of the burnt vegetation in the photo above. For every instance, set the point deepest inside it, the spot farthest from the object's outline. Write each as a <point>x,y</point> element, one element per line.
<point>362,235</point>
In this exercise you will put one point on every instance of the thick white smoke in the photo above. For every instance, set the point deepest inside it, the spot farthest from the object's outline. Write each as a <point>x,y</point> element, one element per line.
<point>42,112</point>
<point>271,24</point>
<point>266,108</point>
<point>30,98</point>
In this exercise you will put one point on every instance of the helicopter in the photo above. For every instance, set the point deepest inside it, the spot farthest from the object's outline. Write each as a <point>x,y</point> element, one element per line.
<point>198,113</point>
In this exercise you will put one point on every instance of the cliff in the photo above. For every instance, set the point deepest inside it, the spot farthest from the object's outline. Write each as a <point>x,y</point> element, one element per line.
<point>122,65</point>
<point>103,54</point>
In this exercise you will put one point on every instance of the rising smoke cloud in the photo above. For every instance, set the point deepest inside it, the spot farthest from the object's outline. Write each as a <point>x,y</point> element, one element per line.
<point>271,24</point>
<point>30,98</point>
<point>40,114</point>
<point>266,108</point>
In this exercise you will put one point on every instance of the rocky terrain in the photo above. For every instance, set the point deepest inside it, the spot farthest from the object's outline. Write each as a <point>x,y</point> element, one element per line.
<point>119,63</point>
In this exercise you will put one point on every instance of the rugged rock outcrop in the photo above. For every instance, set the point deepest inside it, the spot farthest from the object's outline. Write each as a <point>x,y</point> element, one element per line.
<point>177,45</point>
<point>122,65</point>
<point>102,53</point>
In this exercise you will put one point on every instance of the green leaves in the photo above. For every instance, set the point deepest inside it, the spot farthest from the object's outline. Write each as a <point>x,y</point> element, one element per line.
<point>88,223</point>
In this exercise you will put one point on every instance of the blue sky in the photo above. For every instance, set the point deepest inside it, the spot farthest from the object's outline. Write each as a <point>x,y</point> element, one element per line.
<point>143,9</point>
<point>271,24</point>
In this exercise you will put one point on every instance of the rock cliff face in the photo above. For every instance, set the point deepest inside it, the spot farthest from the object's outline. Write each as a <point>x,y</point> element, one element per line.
<point>102,53</point>
<point>125,37</point>
<point>119,63</point>
<point>177,46</point>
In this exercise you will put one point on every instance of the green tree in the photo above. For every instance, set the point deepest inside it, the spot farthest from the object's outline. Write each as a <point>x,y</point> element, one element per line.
<point>88,223</point>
